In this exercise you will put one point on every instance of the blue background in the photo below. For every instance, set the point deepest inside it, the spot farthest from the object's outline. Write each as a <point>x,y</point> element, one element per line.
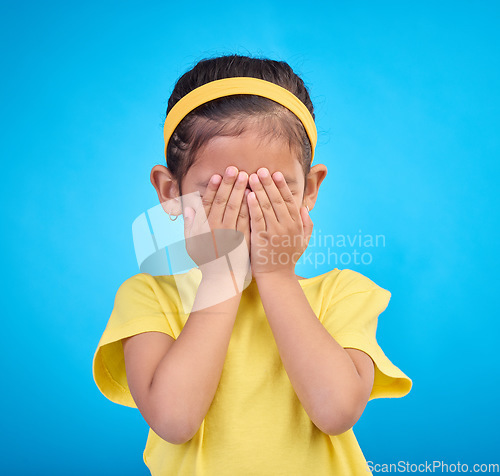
<point>406,97</point>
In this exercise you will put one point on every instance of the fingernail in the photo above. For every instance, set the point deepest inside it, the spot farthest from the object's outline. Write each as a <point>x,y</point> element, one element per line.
<point>216,179</point>
<point>231,171</point>
<point>262,173</point>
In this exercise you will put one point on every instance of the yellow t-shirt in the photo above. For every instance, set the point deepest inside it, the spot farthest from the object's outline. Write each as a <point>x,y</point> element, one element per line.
<point>256,425</point>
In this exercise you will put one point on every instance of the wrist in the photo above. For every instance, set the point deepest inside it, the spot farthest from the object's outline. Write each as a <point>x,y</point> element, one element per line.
<point>214,290</point>
<point>221,279</point>
<point>277,275</point>
<point>215,269</point>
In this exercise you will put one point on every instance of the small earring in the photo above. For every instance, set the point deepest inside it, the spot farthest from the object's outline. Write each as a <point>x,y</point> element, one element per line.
<point>307,206</point>
<point>173,219</point>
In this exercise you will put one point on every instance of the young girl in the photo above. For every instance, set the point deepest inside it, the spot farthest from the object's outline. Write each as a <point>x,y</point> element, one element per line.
<point>269,371</point>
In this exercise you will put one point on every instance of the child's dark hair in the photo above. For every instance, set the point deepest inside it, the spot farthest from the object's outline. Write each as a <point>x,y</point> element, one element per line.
<point>231,115</point>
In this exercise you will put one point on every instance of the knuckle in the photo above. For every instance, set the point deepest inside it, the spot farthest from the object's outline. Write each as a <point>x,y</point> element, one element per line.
<point>220,200</point>
<point>266,205</point>
<point>231,206</point>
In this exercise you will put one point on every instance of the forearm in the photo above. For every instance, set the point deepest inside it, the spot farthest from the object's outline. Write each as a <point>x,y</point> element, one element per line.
<point>321,372</point>
<point>186,379</point>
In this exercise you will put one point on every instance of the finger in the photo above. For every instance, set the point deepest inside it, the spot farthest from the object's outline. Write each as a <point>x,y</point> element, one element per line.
<point>286,195</point>
<point>307,225</point>
<point>260,193</point>
<point>221,197</point>
<point>244,214</point>
<point>257,221</point>
<point>210,192</point>
<point>243,223</point>
<point>200,221</point>
<point>274,194</point>
<point>188,220</point>
<point>235,200</point>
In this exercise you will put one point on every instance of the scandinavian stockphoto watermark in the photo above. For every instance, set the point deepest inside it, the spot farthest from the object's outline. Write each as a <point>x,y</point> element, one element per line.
<point>322,249</point>
<point>432,467</point>
<point>155,234</point>
<point>162,248</point>
<point>341,249</point>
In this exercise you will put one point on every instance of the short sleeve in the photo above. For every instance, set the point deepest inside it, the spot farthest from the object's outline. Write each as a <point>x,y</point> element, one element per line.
<point>351,318</point>
<point>136,310</point>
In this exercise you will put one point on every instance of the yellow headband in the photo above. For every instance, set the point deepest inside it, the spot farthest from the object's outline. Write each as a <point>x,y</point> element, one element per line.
<point>239,85</point>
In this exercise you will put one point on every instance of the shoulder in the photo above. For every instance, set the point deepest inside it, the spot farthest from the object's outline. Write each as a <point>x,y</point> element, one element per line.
<point>165,284</point>
<point>346,282</point>
<point>356,282</point>
<point>136,281</point>
<point>166,293</point>
<point>341,279</point>
<point>136,285</point>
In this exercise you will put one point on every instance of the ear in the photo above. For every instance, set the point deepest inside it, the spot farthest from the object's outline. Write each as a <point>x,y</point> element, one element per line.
<point>167,189</point>
<point>313,181</point>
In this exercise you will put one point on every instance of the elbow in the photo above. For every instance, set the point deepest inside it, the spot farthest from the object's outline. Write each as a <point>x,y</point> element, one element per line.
<point>338,420</point>
<point>339,417</point>
<point>175,434</point>
<point>337,428</point>
<point>176,431</point>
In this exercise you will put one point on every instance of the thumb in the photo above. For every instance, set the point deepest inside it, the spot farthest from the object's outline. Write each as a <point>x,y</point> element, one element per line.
<point>188,217</point>
<point>307,224</point>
